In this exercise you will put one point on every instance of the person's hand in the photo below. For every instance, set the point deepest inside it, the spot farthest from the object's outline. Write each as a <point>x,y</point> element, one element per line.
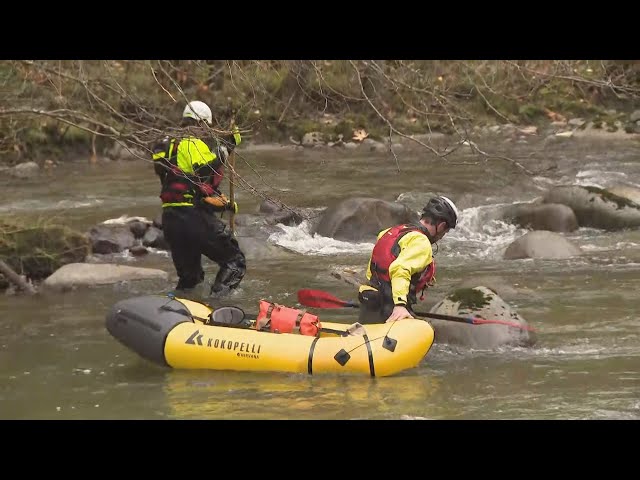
<point>237,138</point>
<point>399,312</point>
<point>232,207</point>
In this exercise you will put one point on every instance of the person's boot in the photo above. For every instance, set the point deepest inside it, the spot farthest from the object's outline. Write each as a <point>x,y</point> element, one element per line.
<point>218,291</point>
<point>227,279</point>
<point>183,290</point>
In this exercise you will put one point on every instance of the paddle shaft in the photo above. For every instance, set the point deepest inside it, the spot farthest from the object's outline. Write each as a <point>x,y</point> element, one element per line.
<point>320,299</point>
<point>440,316</point>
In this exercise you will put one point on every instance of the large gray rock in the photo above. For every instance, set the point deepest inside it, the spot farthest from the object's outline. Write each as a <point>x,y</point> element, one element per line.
<point>595,207</point>
<point>25,170</point>
<point>268,206</point>
<point>501,285</point>
<point>138,228</point>
<point>480,302</point>
<point>541,244</point>
<point>279,213</point>
<point>111,239</point>
<point>361,219</point>
<point>87,274</point>
<point>553,217</point>
<point>154,237</point>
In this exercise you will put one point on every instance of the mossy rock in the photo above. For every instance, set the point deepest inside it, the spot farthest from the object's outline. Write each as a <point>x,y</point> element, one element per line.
<point>470,298</point>
<point>36,251</point>
<point>621,202</point>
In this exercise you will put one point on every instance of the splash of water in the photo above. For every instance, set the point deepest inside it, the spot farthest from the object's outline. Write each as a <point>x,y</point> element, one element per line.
<point>301,240</point>
<point>478,235</point>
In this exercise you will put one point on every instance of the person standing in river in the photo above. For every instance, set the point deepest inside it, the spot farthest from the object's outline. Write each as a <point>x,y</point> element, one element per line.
<point>190,171</point>
<point>402,263</point>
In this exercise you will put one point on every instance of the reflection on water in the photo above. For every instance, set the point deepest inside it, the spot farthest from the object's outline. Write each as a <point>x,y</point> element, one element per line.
<point>238,395</point>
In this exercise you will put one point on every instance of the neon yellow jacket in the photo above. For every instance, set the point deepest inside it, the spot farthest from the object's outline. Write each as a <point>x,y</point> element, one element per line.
<point>193,162</point>
<point>415,255</point>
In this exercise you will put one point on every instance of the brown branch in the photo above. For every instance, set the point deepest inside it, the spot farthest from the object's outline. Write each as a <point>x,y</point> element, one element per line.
<point>16,279</point>
<point>389,124</point>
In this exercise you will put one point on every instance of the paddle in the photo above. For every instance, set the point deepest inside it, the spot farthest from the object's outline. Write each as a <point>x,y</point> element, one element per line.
<point>320,299</point>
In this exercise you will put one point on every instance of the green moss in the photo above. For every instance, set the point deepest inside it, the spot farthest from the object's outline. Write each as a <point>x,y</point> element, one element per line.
<point>38,250</point>
<point>621,202</point>
<point>470,298</point>
<point>531,112</point>
<point>34,136</point>
<point>76,135</point>
<point>344,128</point>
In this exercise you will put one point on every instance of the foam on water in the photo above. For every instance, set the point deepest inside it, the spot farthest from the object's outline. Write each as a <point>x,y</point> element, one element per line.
<point>476,236</point>
<point>40,205</point>
<point>124,219</point>
<point>301,240</point>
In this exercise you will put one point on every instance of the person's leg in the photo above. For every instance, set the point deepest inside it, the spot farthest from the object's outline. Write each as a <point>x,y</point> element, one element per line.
<point>219,245</point>
<point>375,307</point>
<point>177,226</point>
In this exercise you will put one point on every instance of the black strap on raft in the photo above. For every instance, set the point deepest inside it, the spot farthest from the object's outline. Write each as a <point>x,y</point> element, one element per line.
<point>372,369</point>
<point>183,311</point>
<point>310,362</point>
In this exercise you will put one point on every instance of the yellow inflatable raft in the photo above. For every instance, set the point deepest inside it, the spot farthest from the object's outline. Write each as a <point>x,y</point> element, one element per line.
<point>172,331</point>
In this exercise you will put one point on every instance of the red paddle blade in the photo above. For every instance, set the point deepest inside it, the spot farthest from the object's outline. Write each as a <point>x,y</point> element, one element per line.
<point>320,299</point>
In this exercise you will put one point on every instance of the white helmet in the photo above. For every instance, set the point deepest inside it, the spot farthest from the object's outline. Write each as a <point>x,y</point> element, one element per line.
<point>199,111</point>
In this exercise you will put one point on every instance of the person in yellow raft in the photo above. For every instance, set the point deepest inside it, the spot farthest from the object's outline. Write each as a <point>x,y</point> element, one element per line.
<point>190,171</point>
<point>402,263</point>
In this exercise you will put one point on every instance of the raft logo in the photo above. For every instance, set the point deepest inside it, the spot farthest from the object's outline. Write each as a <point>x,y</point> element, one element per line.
<point>198,338</point>
<point>242,349</point>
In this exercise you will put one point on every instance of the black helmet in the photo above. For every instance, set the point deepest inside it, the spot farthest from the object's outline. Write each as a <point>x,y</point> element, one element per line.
<point>442,208</point>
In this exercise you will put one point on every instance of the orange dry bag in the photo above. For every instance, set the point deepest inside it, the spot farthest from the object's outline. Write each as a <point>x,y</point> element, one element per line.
<point>280,319</point>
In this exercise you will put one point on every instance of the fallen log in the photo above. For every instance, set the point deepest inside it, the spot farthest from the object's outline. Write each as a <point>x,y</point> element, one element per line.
<point>16,279</point>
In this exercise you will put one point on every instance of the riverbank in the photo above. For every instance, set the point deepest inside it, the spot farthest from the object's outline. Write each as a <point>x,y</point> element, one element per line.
<point>307,103</point>
<point>552,131</point>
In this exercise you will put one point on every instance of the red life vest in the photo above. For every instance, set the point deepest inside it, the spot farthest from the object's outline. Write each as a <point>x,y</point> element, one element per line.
<point>387,249</point>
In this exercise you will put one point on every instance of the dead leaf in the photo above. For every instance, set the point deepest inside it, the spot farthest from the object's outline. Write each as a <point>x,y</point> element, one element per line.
<point>555,117</point>
<point>359,135</point>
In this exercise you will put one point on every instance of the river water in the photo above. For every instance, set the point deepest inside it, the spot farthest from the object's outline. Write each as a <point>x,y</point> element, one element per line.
<point>57,361</point>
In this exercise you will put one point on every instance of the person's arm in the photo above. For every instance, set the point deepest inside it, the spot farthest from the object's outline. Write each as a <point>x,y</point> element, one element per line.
<point>160,162</point>
<point>212,173</point>
<point>210,176</point>
<point>415,255</point>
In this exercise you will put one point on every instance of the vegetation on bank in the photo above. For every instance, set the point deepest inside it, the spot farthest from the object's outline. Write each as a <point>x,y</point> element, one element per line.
<point>51,108</point>
<point>37,250</point>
